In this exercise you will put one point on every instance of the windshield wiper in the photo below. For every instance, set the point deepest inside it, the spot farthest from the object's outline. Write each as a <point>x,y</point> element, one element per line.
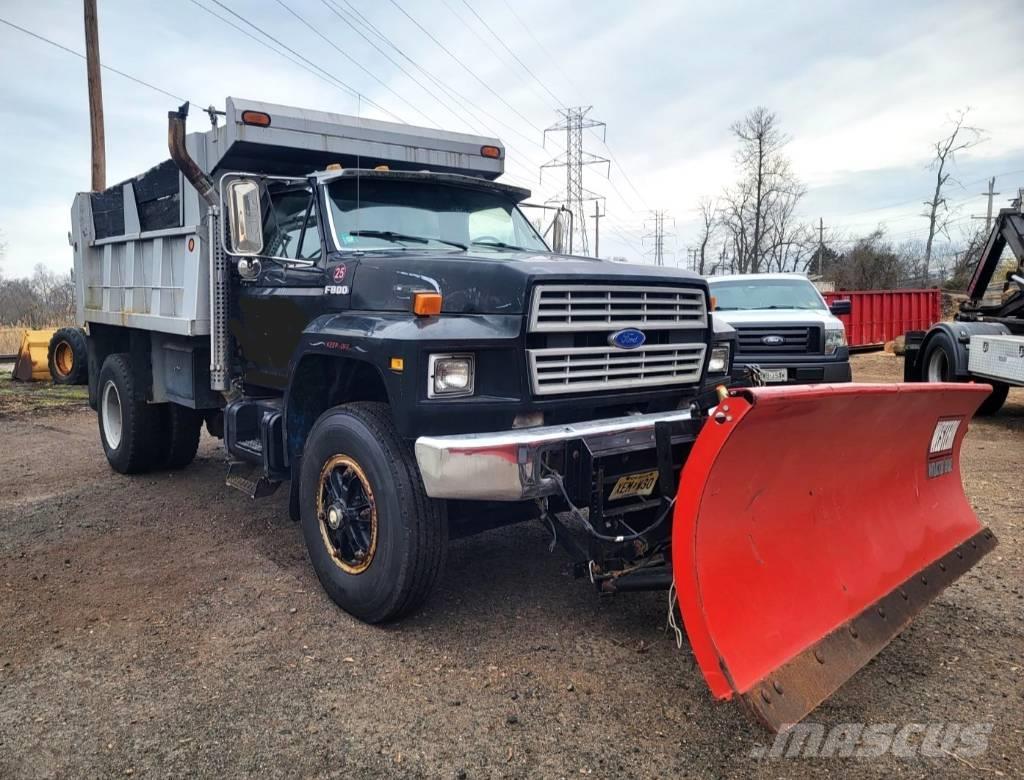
<point>499,245</point>
<point>390,235</point>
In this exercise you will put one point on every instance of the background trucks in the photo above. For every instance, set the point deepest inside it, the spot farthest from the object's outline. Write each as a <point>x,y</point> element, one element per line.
<point>985,341</point>
<point>359,309</point>
<point>785,330</point>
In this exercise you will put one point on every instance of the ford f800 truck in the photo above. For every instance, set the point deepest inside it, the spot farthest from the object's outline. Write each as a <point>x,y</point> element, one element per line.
<point>361,310</point>
<point>365,314</point>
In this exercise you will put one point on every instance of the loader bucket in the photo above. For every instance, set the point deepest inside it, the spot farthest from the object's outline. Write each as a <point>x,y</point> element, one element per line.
<point>811,524</point>
<point>31,363</point>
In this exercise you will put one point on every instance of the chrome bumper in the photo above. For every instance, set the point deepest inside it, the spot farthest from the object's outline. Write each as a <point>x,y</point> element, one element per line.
<point>506,465</point>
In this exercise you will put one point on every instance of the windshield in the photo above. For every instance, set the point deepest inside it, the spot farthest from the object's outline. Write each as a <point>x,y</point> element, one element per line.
<point>374,213</point>
<point>749,294</point>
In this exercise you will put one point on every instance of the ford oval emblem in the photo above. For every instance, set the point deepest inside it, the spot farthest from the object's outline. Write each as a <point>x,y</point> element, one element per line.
<point>773,340</point>
<point>628,338</point>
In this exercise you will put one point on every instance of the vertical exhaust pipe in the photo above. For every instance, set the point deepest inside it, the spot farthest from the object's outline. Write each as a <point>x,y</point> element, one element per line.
<point>181,157</point>
<point>219,379</point>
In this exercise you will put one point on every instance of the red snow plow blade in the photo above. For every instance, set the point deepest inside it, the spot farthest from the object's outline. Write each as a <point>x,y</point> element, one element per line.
<point>811,525</point>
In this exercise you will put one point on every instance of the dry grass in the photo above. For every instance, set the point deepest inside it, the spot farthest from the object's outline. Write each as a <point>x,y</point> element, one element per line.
<point>10,340</point>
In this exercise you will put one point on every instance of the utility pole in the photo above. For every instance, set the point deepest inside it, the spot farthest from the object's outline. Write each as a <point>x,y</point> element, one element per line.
<point>573,160</point>
<point>597,228</point>
<point>990,194</point>
<point>92,69</point>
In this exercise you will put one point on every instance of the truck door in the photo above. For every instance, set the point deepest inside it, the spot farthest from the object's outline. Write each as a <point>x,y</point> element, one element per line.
<point>275,307</point>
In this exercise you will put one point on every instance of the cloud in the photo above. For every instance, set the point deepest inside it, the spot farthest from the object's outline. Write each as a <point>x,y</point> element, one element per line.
<point>862,89</point>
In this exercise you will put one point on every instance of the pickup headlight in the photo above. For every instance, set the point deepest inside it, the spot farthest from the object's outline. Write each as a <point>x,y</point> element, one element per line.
<point>450,376</point>
<point>834,339</point>
<point>719,362</point>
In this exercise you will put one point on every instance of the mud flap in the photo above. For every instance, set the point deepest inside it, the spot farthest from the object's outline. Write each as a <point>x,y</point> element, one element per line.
<point>811,524</point>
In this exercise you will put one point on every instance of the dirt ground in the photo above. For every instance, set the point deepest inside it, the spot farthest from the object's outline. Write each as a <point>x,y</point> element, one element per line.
<point>166,625</point>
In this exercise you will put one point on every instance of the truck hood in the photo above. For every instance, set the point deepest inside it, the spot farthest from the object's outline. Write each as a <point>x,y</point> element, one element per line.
<point>481,282</point>
<point>779,317</point>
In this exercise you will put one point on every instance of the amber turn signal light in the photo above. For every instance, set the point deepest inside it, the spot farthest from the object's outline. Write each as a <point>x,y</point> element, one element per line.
<point>491,151</point>
<point>425,304</point>
<point>257,118</point>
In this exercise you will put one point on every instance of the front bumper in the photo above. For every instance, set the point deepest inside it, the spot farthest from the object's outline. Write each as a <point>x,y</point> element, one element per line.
<point>506,465</point>
<point>803,372</point>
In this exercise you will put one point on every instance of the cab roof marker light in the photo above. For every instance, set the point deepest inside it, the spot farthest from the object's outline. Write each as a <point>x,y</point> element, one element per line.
<point>257,118</point>
<point>494,152</point>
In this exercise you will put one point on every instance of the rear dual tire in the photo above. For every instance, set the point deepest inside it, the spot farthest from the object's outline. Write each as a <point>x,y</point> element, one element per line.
<point>138,436</point>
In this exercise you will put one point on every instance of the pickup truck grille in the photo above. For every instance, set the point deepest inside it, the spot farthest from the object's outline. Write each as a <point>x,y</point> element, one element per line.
<point>778,339</point>
<point>573,323</point>
<point>574,307</point>
<point>591,369</point>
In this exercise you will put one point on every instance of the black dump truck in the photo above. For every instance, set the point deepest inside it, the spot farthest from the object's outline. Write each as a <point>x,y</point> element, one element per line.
<point>359,309</point>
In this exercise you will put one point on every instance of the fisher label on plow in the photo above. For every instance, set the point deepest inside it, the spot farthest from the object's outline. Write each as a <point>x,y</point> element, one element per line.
<point>940,452</point>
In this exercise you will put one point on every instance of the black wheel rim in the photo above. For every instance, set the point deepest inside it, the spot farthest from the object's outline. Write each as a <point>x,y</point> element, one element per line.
<point>347,514</point>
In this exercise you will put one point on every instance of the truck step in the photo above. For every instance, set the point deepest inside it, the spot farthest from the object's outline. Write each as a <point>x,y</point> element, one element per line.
<point>250,480</point>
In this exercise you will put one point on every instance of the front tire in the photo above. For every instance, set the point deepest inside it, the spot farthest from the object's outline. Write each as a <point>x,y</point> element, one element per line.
<point>129,428</point>
<point>376,541</point>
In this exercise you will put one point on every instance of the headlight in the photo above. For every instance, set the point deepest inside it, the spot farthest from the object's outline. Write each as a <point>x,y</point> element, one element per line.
<point>450,376</point>
<point>834,339</point>
<point>719,362</point>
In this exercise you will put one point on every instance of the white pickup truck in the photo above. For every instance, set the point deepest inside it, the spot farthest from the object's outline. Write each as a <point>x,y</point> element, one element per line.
<point>785,328</point>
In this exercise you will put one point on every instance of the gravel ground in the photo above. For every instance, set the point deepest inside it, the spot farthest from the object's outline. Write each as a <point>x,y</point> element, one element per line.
<point>165,625</point>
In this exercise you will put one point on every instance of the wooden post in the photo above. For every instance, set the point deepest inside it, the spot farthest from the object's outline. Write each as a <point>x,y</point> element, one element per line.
<point>92,67</point>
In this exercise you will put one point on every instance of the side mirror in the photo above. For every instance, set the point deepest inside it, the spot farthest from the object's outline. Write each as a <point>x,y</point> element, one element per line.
<point>841,307</point>
<point>245,218</point>
<point>561,232</point>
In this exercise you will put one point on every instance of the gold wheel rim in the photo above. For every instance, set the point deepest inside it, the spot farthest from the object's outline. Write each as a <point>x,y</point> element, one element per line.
<point>343,553</point>
<point>64,358</point>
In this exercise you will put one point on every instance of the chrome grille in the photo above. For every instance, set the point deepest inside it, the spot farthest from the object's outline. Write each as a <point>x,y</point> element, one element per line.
<point>579,307</point>
<point>795,340</point>
<point>589,369</point>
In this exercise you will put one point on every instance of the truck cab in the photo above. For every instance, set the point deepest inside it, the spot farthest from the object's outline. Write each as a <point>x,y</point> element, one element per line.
<point>787,334</point>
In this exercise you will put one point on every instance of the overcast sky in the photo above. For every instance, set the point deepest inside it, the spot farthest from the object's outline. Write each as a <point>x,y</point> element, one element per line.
<point>862,88</point>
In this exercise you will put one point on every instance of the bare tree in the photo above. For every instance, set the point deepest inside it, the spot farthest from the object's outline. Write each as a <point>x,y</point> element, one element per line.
<point>708,211</point>
<point>962,137</point>
<point>759,211</point>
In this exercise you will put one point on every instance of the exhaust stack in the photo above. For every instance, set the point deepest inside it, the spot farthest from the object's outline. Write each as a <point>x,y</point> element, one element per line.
<point>181,157</point>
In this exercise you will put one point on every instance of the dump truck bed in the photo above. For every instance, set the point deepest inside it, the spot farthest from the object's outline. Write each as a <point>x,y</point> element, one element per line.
<point>138,255</point>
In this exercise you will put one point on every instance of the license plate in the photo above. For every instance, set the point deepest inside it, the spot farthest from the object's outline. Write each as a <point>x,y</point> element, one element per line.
<point>775,374</point>
<point>641,484</point>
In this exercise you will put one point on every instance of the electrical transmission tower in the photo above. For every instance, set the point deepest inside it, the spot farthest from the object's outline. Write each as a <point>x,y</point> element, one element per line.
<point>657,238</point>
<point>573,159</point>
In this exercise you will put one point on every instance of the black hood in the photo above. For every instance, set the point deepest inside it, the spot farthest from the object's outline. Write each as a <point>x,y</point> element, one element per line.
<point>482,282</point>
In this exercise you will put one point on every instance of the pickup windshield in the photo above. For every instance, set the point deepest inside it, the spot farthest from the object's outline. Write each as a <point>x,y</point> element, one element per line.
<point>751,294</point>
<point>373,213</point>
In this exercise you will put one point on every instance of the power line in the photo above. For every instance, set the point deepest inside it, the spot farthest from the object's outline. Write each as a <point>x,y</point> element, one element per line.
<point>355,93</point>
<point>515,56</point>
<point>355,62</point>
<point>541,46</point>
<point>465,67</point>
<point>121,73</point>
